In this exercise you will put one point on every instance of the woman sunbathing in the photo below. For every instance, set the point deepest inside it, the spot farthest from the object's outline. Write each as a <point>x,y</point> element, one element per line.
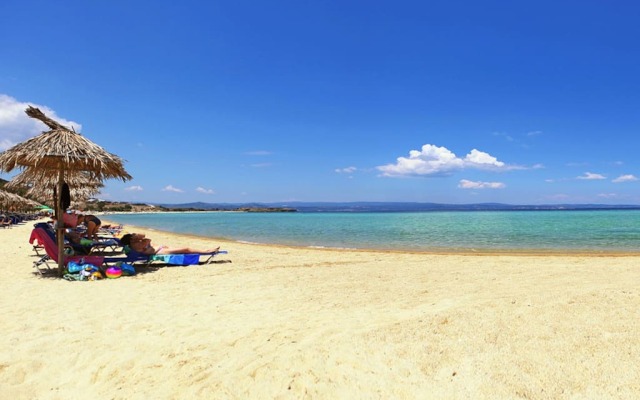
<point>141,244</point>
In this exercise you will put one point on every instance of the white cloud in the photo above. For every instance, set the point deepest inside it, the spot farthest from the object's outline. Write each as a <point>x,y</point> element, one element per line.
<point>608,195</point>
<point>625,178</point>
<point>466,184</point>
<point>589,176</point>
<point>258,153</point>
<point>16,126</point>
<point>135,188</point>
<point>479,159</point>
<point>170,188</point>
<point>347,170</point>
<point>261,165</point>
<point>440,161</point>
<point>203,190</point>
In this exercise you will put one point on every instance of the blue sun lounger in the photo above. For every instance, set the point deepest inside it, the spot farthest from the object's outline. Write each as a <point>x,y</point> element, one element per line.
<point>133,256</point>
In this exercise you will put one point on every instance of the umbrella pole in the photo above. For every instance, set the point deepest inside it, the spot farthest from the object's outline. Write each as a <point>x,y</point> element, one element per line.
<point>60,225</point>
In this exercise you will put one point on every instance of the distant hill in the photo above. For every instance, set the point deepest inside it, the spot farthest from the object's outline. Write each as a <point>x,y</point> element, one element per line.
<point>250,207</point>
<point>359,206</point>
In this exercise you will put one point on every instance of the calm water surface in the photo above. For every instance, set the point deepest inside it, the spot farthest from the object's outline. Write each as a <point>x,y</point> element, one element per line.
<point>593,231</point>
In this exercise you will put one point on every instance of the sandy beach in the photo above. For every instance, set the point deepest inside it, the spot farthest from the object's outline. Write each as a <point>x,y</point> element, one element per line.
<point>270,322</point>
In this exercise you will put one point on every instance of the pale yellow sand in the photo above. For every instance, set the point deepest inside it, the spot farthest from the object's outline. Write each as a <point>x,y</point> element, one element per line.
<point>290,323</point>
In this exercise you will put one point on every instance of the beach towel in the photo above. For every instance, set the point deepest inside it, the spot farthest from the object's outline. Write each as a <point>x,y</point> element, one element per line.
<point>177,259</point>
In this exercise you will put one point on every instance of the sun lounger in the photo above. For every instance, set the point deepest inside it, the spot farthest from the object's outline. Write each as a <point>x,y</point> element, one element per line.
<point>130,257</point>
<point>173,259</point>
<point>186,259</point>
<point>51,250</point>
<point>91,246</point>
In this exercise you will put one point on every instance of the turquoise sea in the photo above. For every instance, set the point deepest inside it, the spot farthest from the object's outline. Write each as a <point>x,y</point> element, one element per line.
<point>547,231</point>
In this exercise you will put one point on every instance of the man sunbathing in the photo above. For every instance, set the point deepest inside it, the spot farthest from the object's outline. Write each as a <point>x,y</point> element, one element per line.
<point>141,244</point>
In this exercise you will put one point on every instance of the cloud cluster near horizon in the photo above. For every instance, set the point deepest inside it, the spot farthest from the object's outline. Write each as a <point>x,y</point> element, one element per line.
<point>625,178</point>
<point>16,126</point>
<point>590,176</point>
<point>171,188</point>
<point>467,184</point>
<point>200,189</point>
<point>432,160</point>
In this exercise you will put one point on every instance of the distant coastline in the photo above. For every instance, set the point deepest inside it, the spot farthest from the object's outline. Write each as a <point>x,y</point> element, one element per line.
<point>388,207</point>
<point>348,207</point>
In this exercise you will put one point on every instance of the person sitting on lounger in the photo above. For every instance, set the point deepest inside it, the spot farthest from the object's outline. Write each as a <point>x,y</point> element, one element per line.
<point>138,242</point>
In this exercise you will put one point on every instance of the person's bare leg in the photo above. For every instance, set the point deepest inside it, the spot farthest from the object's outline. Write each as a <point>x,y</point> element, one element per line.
<point>186,250</point>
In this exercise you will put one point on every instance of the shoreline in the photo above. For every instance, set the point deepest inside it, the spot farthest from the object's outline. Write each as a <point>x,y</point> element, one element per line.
<point>281,322</point>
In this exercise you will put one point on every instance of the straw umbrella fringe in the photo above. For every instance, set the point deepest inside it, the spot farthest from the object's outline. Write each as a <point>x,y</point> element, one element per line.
<point>39,185</point>
<point>57,151</point>
<point>46,195</point>
<point>36,176</point>
<point>8,199</point>
<point>32,176</point>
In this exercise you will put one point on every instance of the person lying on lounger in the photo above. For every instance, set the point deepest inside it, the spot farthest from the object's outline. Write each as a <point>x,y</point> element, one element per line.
<point>141,244</point>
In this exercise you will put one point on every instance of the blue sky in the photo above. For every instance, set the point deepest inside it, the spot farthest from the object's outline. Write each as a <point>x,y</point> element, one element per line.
<point>521,102</point>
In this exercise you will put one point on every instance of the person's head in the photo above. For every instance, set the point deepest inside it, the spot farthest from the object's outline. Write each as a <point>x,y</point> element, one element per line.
<point>126,239</point>
<point>130,238</point>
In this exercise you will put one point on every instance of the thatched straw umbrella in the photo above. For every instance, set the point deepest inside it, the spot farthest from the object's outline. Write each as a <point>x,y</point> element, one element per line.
<point>78,194</point>
<point>7,199</point>
<point>12,200</point>
<point>40,186</point>
<point>56,152</point>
